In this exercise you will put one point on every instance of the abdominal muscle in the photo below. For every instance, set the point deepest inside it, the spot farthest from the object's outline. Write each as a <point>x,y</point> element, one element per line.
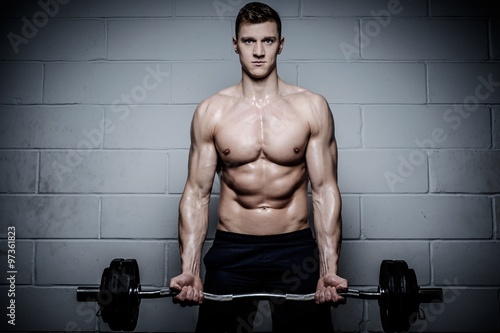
<point>270,200</point>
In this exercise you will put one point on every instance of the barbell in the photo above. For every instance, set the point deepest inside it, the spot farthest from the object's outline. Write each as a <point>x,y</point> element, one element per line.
<point>119,295</point>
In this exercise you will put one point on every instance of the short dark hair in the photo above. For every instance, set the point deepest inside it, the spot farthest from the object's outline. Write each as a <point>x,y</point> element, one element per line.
<point>257,12</point>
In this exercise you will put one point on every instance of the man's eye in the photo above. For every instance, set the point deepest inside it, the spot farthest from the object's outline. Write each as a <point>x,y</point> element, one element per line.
<point>248,41</point>
<point>268,41</point>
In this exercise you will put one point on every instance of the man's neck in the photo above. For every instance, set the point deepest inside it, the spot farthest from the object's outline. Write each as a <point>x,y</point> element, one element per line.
<point>260,91</point>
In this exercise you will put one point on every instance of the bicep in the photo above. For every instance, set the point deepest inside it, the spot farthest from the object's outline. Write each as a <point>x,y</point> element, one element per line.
<point>202,165</point>
<point>202,161</point>
<point>321,157</point>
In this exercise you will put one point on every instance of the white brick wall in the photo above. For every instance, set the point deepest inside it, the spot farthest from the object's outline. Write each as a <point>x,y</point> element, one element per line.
<point>96,99</point>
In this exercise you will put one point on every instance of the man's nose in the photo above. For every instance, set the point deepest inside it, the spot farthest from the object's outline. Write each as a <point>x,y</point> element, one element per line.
<point>258,50</point>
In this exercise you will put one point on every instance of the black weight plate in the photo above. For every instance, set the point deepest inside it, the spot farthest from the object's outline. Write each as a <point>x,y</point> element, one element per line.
<point>412,302</point>
<point>392,287</point>
<point>405,313</point>
<point>385,286</point>
<point>121,283</point>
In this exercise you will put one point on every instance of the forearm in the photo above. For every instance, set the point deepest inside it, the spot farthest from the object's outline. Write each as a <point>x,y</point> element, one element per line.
<point>193,225</point>
<point>327,206</point>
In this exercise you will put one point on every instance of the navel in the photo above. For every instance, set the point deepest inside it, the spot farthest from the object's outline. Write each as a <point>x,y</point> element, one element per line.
<point>296,150</point>
<point>226,151</point>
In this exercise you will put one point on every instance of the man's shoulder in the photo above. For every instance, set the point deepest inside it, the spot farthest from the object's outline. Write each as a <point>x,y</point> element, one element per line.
<point>302,94</point>
<point>306,100</point>
<point>219,100</point>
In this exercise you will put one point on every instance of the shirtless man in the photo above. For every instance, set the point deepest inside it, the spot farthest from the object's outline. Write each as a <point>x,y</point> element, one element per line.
<point>265,139</point>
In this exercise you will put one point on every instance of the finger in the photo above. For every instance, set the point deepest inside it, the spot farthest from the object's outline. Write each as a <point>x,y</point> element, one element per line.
<point>320,296</point>
<point>198,296</point>
<point>331,295</point>
<point>317,297</point>
<point>201,298</point>
<point>174,286</point>
<point>184,293</point>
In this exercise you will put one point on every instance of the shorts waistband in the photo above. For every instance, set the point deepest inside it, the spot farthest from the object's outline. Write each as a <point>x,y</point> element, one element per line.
<point>225,236</point>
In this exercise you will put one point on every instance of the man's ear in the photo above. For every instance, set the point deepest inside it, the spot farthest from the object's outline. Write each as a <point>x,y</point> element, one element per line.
<point>282,42</point>
<point>235,45</point>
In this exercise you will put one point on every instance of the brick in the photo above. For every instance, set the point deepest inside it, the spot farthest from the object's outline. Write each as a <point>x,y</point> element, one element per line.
<point>421,126</point>
<point>155,39</point>
<point>82,262</point>
<point>469,171</point>
<point>348,316</point>
<point>351,217</point>
<point>497,216</point>
<point>495,38</point>
<point>160,315</point>
<point>360,260</point>
<point>427,217</point>
<point>194,82</point>
<point>178,167</point>
<point>347,126</point>
<point>365,82</point>
<point>55,40</point>
<point>339,8</point>
<point>122,217</point>
<point>107,83</point>
<point>70,127</point>
<point>298,44</point>
<point>288,72</point>
<point>149,127</point>
<point>35,311</point>
<point>51,216</point>
<point>454,8</point>
<point>18,171</point>
<point>464,83</point>
<point>23,256</point>
<point>496,127</point>
<point>469,264</point>
<point>454,314</point>
<point>103,172</point>
<point>230,8</point>
<point>21,83</point>
<point>409,39</point>
<point>115,8</point>
<point>382,171</point>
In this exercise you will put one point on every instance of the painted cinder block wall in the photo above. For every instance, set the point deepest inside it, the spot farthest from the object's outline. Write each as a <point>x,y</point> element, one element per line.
<point>96,99</point>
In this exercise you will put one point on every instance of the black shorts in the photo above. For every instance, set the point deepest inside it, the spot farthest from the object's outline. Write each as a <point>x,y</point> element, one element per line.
<point>284,263</point>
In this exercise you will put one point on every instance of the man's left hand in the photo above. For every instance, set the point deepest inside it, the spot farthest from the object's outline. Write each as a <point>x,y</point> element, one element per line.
<point>328,288</point>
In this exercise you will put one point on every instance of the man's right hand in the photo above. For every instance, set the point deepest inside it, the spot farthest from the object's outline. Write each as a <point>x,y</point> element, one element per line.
<point>189,288</point>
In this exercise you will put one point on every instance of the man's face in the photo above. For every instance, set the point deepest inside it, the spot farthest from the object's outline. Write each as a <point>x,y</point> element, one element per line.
<point>258,46</point>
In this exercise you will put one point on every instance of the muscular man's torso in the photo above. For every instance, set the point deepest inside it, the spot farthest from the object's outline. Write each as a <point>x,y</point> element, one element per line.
<point>261,150</point>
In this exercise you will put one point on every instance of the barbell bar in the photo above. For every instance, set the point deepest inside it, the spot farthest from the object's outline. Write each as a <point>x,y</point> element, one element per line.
<point>85,294</point>
<point>119,295</point>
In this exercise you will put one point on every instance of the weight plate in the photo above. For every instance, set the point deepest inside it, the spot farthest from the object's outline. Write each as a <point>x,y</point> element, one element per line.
<point>119,299</point>
<point>411,298</point>
<point>405,310</point>
<point>392,285</point>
